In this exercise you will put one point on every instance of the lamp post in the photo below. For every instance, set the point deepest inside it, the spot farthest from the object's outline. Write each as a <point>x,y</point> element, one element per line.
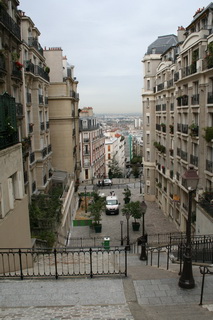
<point>143,255</point>
<point>85,194</point>
<point>127,233</point>
<point>186,280</point>
<point>122,239</point>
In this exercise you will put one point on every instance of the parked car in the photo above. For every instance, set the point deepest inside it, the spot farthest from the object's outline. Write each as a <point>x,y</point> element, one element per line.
<point>107,182</point>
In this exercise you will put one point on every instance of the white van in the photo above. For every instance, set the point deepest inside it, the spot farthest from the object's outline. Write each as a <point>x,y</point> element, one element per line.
<point>112,205</point>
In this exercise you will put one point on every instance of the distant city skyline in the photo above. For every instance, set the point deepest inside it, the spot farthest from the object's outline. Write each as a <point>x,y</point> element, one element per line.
<point>106,40</point>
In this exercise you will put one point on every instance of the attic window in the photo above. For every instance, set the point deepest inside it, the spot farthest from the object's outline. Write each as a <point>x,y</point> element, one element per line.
<point>153,50</point>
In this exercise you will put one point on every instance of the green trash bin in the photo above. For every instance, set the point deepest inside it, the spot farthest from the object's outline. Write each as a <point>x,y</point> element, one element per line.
<point>106,243</point>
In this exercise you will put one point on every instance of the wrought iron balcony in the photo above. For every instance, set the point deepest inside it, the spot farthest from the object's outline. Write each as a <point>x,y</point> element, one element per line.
<point>42,126</point>
<point>184,155</point>
<point>195,99</point>
<point>16,72</point>
<point>170,83</point>
<point>33,42</point>
<point>209,165</point>
<point>194,160</point>
<point>33,186</point>
<point>2,64</point>
<point>19,110</point>
<point>44,152</point>
<point>210,97</point>
<point>160,86</point>
<point>30,127</point>
<point>9,23</point>
<point>32,157</point>
<point>40,99</point>
<point>28,97</point>
<point>44,179</point>
<point>7,140</point>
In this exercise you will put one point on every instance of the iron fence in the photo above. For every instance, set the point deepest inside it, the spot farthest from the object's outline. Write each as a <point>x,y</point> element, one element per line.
<point>62,262</point>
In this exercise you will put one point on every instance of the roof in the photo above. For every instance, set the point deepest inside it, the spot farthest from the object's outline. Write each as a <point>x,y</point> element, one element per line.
<point>162,43</point>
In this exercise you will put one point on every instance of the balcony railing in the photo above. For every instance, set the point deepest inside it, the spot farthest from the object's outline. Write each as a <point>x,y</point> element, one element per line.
<point>2,64</point>
<point>176,76</point>
<point>36,70</point>
<point>209,165</point>
<point>40,99</point>
<point>210,97</point>
<point>187,71</point>
<point>170,83</point>
<point>44,152</point>
<point>49,148</point>
<point>33,42</point>
<point>16,72</point>
<point>29,98</point>
<point>184,155</point>
<point>44,179</point>
<point>160,86</point>
<point>8,140</point>
<point>9,23</point>
<point>34,186</point>
<point>195,99</point>
<point>19,110</point>
<point>194,160</point>
<point>32,157</point>
<point>164,107</point>
<point>42,126</point>
<point>30,127</point>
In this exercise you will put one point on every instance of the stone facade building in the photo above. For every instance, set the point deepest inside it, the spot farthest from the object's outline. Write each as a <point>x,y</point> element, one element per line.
<point>178,120</point>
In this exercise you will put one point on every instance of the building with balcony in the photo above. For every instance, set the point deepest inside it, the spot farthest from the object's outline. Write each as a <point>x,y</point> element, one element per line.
<point>37,155</point>
<point>14,215</point>
<point>63,102</point>
<point>178,119</point>
<point>114,149</point>
<point>92,146</point>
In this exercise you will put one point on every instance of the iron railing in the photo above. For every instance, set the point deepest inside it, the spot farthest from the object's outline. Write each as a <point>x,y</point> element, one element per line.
<point>62,262</point>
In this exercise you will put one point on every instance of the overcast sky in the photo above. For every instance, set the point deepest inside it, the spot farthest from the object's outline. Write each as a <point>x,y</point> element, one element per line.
<point>106,40</point>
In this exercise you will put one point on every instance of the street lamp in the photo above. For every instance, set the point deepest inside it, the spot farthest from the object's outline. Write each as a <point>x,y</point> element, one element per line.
<point>186,280</point>
<point>122,239</point>
<point>143,255</point>
<point>127,233</point>
<point>85,194</point>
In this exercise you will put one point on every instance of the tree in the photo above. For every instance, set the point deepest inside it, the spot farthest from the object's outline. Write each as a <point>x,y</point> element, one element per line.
<point>127,195</point>
<point>96,208</point>
<point>135,171</point>
<point>114,170</point>
<point>133,208</point>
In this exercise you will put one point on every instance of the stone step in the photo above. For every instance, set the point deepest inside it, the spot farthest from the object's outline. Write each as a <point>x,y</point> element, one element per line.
<point>177,312</point>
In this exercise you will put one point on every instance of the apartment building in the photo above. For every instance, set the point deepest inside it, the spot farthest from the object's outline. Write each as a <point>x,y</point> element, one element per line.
<point>114,149</point>
<point>178,120</point>
<point>14,216</point>
<point>63,102</point>
<point>92,146</point>
<point>37,148</point>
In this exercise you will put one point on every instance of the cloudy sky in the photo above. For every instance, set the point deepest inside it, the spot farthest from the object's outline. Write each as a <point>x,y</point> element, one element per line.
<point>106,40</point>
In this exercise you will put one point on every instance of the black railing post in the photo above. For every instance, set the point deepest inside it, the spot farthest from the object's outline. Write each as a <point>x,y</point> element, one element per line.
<point>168,252</point>
<point>56,270</point>
<point>90,255</point>
<point>202,287</point>
<point>20,263</point>
<point>125,261</point>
